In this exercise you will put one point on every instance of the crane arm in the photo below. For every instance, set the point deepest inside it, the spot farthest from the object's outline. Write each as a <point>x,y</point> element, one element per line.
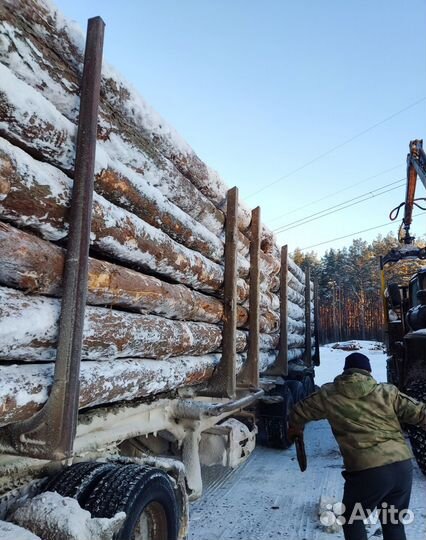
<point>416,166</point>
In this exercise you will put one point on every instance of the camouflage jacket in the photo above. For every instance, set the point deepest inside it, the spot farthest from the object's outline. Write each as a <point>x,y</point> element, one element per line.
<point>365,417</point>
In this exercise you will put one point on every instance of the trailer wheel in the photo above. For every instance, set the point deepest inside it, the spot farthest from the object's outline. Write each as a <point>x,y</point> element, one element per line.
<point>297,390</point>
<point>273,419</point>
<point>417,435</point>
<point>309,385</point>
<point>147,497</point>
<point>78,480</point>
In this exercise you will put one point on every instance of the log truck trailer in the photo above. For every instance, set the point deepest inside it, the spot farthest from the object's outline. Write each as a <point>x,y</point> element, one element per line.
<point>405,303</point>
<point>144,456</point>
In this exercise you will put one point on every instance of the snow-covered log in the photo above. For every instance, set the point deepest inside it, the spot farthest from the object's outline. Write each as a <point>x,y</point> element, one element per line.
<point>295,341</point>
<point>29,329</point>
<point>296,271</point>
<point>54,49</point>
<point>295,312</point>
<point>24,388</point>
<point>295,354</point>
<point>296,297</point>
<point>37,195</point>
<point>295,284</point>
<point>296,327</point>
<point>34,124</point>
<point>36,266</point>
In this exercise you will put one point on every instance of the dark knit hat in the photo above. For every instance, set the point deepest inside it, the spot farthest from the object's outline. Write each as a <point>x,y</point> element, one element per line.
<point>357,360</point>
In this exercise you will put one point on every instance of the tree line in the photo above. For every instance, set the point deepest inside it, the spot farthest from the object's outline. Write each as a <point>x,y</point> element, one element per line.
<point>349,287</point>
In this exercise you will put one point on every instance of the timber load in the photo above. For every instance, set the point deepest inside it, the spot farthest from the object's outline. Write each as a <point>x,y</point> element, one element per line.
<point>155,305</point>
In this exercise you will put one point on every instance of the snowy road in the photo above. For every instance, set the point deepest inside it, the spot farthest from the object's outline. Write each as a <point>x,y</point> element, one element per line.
<point>269,498</point>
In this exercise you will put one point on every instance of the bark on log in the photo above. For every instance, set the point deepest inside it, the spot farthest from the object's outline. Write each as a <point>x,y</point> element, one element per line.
<point>57,76</point>
<point>22,49</point>
<point>296,312</point>
<point>37,195</point>
<point>34,124</point>
<point>25,388</point>
<point>29,328</point>
<point>295,284</point>
<point>296,297</point>
<point>296,354</point>
<point>36,266</point>
<point>296,327</point>
<point>296,271</point>
<point>296,341</point>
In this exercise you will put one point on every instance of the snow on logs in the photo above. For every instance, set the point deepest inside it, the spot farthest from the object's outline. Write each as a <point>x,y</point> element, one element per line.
<point>155,309</point>
<point>36,195</point>
<point>50,59</point>
<point>24,388</point>
<point>29,329</point>
<point>51,136</point>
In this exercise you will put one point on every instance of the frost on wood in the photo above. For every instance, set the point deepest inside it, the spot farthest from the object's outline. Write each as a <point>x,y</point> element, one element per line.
<point>53,517</point>
<point>36,266</point>
<point>122,109</point>
<point>34,124</point>
<point>29,329</point>
<point>24,388</point>
<point>36,195</point>
<point>10,531</point>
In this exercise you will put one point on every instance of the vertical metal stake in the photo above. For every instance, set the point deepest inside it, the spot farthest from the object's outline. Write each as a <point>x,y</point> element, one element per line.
<point>308,335</point>
<point>224,382</point>
<point>280,368</point>
<point>283,351</point>
<point>317,359</point>
<point>50,433</point>
<point>250,374</point>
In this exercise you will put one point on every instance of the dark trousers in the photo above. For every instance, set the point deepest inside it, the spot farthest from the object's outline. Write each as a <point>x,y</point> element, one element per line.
<point>385,488</point>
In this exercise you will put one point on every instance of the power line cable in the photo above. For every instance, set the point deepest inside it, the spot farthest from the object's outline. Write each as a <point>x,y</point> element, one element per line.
<point>338,146</point>
<point>297,224</point>
<point>354,233</point>
<point>336,193</point>
<point>340,204</point>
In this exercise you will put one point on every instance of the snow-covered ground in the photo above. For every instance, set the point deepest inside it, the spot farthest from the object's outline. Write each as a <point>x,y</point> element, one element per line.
<point>333,360</point>
<point>268,498</point>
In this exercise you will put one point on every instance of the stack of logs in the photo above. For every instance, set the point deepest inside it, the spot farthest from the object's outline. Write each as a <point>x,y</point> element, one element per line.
<point>155,308</point>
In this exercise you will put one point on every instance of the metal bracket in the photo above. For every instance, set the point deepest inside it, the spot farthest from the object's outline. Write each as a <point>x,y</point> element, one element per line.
<point>50,433</point>
<point>250,373</point>
<point>224,380</point>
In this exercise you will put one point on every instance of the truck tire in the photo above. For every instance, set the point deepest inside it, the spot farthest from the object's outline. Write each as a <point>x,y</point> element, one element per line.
<point>273,419</point>
<point>297,390</point>
<point>417,436</point>
<point>308,384</point>
<point>391,374</point>
<point>147,497</point>
<point>78,480</point>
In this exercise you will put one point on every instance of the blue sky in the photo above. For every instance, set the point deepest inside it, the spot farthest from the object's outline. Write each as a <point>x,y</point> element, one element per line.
<point>259,89</point>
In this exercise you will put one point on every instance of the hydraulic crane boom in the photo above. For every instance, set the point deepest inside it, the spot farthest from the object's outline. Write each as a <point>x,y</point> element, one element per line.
<point>416,166</point>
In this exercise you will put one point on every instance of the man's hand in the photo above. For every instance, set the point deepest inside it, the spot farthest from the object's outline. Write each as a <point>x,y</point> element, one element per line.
<point>294,431</point>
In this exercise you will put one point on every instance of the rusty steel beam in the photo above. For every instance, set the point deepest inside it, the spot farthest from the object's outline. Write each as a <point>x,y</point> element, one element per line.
<point>224,381</point>
<point>316,323</point>
<point>50,433</point>
<point>280,368</point>
<point>308,336</point>
<point>250,373</point>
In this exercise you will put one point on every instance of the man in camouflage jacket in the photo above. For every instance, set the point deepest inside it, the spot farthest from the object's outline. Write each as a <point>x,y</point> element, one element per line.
<point>366,419</point>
